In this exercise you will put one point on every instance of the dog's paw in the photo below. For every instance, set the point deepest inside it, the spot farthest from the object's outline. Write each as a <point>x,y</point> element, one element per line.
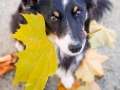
<point>19,46</point>
<point>67,81</point>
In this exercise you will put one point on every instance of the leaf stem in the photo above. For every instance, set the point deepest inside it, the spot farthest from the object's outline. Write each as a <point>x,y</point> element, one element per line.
<point>93,32</point>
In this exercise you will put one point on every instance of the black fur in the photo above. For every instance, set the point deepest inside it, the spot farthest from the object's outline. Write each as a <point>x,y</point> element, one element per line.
<point>67,60</point>
<point>17,19</point>
<point>101,6</point>
<point>95,9</point>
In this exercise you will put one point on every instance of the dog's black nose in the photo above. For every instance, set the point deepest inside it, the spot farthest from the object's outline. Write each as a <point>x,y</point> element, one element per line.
<point>75,48</point>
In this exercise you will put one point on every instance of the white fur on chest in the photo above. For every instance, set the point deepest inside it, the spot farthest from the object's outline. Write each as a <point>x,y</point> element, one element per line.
<point>79,57</point>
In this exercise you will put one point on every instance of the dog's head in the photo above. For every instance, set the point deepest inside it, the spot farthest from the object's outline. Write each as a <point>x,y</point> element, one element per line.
<point>65,19</point>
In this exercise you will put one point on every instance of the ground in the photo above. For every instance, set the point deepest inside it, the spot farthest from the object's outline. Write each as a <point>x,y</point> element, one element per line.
<point>111,79</point>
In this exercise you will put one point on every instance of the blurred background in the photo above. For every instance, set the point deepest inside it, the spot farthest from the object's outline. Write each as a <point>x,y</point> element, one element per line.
<point>111,79</point>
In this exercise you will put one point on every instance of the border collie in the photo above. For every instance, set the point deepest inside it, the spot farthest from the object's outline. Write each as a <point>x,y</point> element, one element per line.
<point>67,20</point>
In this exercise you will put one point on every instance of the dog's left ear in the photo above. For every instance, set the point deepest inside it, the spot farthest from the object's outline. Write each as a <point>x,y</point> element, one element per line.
<point>91,3</point>
<point>29,5</point>
<point>30,2</point>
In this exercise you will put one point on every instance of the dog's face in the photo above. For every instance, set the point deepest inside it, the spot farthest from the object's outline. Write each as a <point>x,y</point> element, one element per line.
<point>65,19</point>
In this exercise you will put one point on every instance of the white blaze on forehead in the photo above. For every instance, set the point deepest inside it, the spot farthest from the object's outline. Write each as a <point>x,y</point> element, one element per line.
<point>65,2</point>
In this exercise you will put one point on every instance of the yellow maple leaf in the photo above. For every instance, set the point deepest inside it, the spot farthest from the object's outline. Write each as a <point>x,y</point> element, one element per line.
<point>91,66</point>
<point>38,61</point>
<point>104,36</point>
<point>91,86</point>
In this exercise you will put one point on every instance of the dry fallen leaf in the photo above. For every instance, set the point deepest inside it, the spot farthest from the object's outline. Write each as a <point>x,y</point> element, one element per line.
<point>6,58</point>
<point>95,86</point>
<point>92,32</point>
<point>92,86</point>
<point>91,65</point>
<point>104,36</point>
<point>6,69</point>
<point>7,63</point>
<point>75,85</point>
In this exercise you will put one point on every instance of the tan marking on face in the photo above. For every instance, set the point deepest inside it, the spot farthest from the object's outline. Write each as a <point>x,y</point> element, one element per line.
<point>56,13</point>
<point>75,9</point>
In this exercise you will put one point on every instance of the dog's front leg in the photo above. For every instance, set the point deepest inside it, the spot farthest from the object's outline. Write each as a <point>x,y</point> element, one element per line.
<point>19,46</point>
<point>66,77</point>
<point>63,71</point>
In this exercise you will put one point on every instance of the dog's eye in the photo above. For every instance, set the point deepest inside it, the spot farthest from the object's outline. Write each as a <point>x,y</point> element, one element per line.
<point>78,12</point>
<point>53,18</point>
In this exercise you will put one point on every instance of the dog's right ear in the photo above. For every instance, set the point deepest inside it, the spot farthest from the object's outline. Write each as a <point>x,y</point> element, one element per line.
<point>91,3</point>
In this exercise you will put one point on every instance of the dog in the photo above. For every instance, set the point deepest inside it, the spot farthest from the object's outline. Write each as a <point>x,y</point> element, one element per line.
<point>67,21</point>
